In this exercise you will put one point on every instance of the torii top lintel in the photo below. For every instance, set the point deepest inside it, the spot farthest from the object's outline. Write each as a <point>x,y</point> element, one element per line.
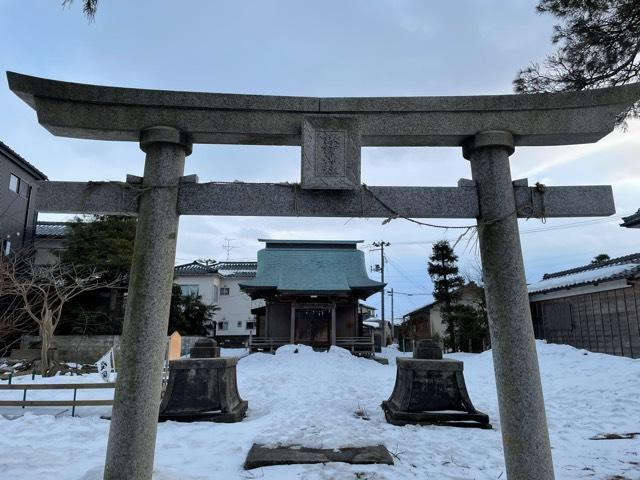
<point>113,113</point>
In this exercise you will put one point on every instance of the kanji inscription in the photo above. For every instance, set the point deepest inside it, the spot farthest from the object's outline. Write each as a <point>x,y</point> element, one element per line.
<point>330,153</point>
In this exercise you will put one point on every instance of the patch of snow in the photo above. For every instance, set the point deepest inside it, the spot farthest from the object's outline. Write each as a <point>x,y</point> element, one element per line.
<point>310,399</point>
<point>586,276</point>
<point>234,352</point>
<point>295,349</point>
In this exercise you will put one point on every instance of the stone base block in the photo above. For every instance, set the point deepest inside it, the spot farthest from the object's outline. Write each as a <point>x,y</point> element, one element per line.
<point>202,389</point>
<point>232,416</point>
<point>445,419</point>
<point>261,456</point>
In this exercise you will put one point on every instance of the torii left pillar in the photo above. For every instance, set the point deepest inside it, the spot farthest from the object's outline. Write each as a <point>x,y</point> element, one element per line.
<point>134,421</point>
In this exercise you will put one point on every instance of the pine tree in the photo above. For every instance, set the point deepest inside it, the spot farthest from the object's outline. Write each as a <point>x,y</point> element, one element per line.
<point>598,46</point>
<point>188,315</point>
<point>603,257</point>
<point>443,271</point>
<point>105,243</point>
<point>101,241</point>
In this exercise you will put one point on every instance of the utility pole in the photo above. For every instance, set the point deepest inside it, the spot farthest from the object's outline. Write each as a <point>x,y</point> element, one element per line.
<point>381,244</point>
<point>393,336</point>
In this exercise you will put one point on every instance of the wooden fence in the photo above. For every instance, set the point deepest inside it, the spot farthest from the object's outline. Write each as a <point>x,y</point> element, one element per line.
<point>73,403</point>
<point>606,322</point>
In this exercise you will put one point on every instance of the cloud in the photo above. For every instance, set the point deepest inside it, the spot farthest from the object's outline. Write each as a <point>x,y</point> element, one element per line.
<point>332,48</point>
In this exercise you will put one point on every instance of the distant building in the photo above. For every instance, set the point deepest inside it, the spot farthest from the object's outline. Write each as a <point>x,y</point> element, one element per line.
<point>49,241</point>
<point>18,187</point>
<point>311,291</point>
<point>366,311</point>
<point>373,326</point>
<point>595,307</point>
<point>426,321</point>
<point>218,284</point>
<point>632,221</point>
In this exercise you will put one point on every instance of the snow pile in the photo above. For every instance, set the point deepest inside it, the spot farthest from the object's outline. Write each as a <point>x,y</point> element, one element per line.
<point>332,399</point>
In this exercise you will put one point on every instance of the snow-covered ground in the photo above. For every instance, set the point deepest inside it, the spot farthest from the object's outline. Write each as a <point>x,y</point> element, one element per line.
<point>310,399</point>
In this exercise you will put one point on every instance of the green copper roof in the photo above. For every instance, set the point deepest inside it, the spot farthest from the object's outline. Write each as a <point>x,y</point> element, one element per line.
<point>312,267</point>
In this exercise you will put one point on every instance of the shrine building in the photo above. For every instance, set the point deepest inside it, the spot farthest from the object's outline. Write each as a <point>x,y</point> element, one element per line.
<point>311,290</point>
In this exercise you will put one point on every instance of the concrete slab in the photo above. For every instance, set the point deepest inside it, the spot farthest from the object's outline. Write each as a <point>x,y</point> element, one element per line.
<point>261,456</point>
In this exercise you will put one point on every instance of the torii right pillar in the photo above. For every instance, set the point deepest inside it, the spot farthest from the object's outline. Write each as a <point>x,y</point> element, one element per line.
<point>523,420</point>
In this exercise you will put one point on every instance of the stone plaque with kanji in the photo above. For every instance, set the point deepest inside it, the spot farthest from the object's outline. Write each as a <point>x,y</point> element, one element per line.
<point>330,153</point>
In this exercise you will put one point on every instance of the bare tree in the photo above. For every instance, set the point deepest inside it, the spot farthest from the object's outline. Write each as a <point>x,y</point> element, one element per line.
<point>39,292</point>
<point>14,323</point>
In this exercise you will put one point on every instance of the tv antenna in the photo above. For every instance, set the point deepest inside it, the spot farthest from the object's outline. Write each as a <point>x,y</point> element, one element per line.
<point>227,246</point>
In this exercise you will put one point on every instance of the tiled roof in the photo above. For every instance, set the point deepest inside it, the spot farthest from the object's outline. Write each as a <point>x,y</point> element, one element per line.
<point>17,158</point>
<point>237,269</point>
<point>52,229</point>
<point>426,307</point>
<point>614,269</point>
<point>632,221</point>
<point>224,269</point>
<point>242,274</point>
<point>312,267</point>
<point>194,268</point>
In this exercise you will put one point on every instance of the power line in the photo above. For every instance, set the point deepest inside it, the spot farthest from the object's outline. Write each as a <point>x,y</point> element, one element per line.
<point>583,223</point>
<point>406,277</point>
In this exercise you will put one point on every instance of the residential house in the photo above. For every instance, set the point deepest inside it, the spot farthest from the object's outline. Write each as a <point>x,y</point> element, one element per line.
<point>595,306</point>
<point>18,187</point>
<point>311,290</point>
<point>218,284</point>
<point>426,321</point>
<point>49,241</point>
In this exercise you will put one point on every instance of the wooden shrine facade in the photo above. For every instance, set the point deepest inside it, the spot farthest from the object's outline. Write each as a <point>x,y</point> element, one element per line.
<point>311,291</point>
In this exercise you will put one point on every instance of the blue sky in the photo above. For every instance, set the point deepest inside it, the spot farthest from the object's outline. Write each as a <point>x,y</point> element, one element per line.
<point>329,48</point>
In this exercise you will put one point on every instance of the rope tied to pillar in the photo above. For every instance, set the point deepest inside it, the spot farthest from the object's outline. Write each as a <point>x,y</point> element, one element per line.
<point>527,211</point>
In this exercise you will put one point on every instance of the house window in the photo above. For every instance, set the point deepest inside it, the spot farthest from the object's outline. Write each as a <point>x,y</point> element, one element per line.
<point>223,325</point>
<point>6,247</point>
<point>14,183</point>
<point>215,294</point>
<point>240,324</point>
<point>224,291</point>
<point>188,290</point>
<point>23,189</point>
<point>250,325</point>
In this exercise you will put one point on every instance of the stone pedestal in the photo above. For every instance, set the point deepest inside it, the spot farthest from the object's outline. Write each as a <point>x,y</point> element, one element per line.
<point>205,348</point>
<point>202,389</point>
<point>427,349</point>
<point>432,392</point>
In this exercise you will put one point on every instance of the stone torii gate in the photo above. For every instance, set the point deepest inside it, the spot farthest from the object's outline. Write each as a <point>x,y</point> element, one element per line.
<point>331,132</point>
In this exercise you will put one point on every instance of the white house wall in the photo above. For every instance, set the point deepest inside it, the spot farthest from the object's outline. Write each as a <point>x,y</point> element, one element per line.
<point>235,309</point>
<point>208,285</point>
